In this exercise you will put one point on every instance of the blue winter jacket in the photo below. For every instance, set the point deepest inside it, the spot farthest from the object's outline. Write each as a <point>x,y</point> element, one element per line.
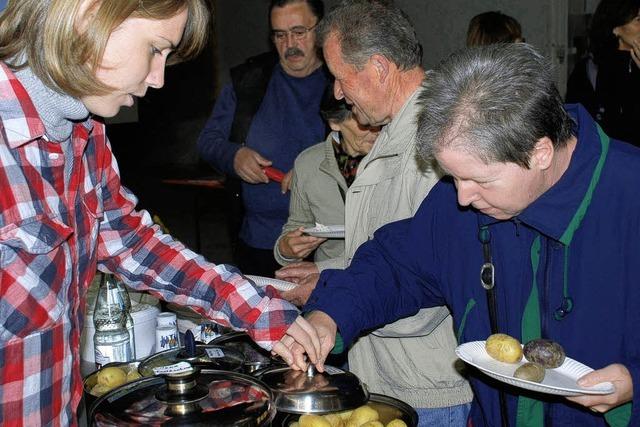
<point>577,245</point>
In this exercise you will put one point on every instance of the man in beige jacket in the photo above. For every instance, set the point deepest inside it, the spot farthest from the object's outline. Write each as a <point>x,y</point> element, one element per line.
<point>373,52</point>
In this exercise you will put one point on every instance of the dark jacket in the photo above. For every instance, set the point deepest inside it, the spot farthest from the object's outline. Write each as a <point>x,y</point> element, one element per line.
<point>613,102</point>
<point>587,227</point>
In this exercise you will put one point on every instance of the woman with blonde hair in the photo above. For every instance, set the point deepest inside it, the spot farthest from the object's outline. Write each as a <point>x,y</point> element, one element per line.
<point>63,211</point>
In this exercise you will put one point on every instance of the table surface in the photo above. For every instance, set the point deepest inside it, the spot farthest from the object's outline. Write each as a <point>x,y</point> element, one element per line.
<point>213,182</point>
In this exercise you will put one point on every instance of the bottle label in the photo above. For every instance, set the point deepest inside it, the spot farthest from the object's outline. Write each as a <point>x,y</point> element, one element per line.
<point>176,368</point>
<point>112,353</point>
<point>214,353</point>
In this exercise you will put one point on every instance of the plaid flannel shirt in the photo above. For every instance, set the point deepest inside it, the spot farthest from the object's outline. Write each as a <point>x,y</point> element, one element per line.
<point>53,238</point>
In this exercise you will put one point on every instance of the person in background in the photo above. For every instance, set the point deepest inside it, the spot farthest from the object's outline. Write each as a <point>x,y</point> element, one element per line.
<point>321,176</point>
<point>493,27</point>
<point>545,197</point>
<point>266,116</point>
<point>373,51</point>
<point>607,81</point>
<point>64,64</point>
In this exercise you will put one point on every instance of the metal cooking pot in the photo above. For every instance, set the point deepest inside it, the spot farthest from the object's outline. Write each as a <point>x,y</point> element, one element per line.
<point>187,397</point>
<point>90,381</point>
<point>297,392</point>
<point>387,407</point>
<point>204,356</point>
<point>255,357</point>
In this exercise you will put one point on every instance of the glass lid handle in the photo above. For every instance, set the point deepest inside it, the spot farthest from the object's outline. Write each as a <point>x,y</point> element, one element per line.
<point>311,371</point>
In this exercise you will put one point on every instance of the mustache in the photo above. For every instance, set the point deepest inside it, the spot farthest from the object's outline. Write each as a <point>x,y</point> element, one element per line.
<point>293,51</point>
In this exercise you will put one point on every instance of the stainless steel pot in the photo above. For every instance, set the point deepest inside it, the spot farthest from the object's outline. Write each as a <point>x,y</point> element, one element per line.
<point>204,356</point>
<point>90,381</point>
<point>187,398</point>
<point>297,392</point>
<point>255,357</point>
<point>387,407</point>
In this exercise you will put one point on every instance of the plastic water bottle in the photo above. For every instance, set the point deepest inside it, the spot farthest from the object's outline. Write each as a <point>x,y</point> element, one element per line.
<point>111,339</point>
<point>126,299</point>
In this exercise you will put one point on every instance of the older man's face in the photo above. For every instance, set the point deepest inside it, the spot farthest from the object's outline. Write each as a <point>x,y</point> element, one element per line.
<point>358,87</point>
<point>500,190</point>
<point>293,33</point>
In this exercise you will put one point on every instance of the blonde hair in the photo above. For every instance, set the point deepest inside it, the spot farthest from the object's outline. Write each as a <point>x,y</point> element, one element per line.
<point>43,35</point>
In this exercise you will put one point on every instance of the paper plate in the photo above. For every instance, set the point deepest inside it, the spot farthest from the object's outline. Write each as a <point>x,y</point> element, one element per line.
<point>280,285</point>
<point>326,231</point>
<point>560,381</point>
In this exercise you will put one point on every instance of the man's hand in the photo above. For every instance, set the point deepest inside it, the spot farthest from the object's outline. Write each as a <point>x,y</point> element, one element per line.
<point>295,244</point>
<point>297,271</point>
<point>300,338</point>
<point>617,374</point>
<point>300,294</point>
<point>248,165</point>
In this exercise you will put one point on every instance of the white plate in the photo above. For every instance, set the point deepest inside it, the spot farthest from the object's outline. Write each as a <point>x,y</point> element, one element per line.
<point>560,381</point>
<point>280,285</point>
<point>327,231</point>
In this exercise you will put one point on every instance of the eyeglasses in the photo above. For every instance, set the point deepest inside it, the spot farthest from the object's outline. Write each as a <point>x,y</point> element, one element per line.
<point>298,33</point>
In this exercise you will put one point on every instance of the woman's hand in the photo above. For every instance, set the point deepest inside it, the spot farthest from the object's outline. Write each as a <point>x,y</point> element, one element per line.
<point>295,244</point>
<point>300,338</point>
<point>618,375</point>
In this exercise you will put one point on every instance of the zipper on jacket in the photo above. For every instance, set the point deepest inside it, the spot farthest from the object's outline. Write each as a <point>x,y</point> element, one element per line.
<point>544,309</point>
<point>517,223</point>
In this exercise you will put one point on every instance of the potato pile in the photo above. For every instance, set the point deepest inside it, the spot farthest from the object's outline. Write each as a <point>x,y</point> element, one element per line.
<point>541,354</point>
<point>364,416</point>
<point>111,377</point>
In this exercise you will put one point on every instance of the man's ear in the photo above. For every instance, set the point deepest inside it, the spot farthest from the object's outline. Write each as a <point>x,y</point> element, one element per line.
<point>381,66</point>
<point>543,152</point>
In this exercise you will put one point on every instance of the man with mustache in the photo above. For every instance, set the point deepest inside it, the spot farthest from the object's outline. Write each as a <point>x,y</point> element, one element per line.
<point>265,117</point>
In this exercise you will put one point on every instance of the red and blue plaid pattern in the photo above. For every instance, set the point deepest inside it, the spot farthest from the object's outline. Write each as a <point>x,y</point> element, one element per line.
<point>53,236</point>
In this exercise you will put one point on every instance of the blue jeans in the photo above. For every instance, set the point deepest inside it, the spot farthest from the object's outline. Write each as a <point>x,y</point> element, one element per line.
<point>453,416</point>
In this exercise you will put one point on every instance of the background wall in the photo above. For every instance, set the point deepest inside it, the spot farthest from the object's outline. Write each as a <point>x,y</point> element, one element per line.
<point>242,26</point>
<point>170,120</point>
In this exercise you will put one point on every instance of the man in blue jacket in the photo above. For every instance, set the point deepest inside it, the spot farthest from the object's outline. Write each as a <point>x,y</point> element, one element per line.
<point>266,116</point>
<point>546,198</point>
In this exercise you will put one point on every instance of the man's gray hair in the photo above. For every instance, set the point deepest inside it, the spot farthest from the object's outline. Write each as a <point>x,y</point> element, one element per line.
<point>368,27</point>
<point>493,101</point>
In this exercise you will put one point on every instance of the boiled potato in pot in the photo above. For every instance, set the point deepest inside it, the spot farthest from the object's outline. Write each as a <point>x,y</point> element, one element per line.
<point>313,421</point>
<point>504,348</point>
<point>364,416</point>
<point>110,377</point>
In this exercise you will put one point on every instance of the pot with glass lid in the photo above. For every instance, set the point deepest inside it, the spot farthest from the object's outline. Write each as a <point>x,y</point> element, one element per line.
<point>184,395</point>
<point>255,357</point>
<point>336,397</point>
<point>203,356</point>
